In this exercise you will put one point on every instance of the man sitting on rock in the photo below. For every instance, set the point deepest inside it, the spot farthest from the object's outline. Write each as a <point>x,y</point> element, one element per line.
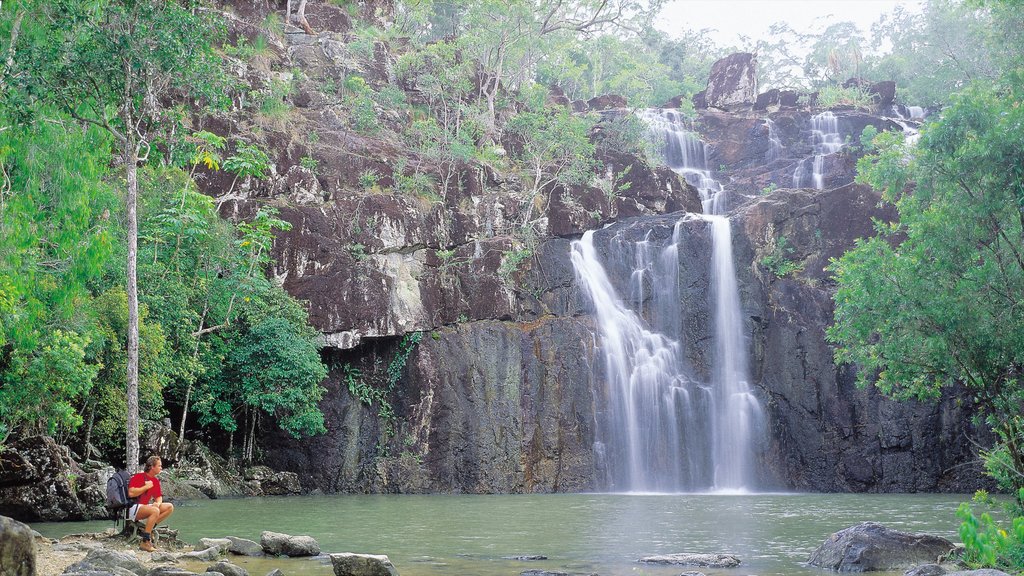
<point>150,505</point>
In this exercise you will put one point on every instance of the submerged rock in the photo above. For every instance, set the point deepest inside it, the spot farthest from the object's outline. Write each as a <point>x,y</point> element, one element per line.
<point>526,557</point>
<point>870,546</point>
<point>702,560</point>
<point>348,564</point>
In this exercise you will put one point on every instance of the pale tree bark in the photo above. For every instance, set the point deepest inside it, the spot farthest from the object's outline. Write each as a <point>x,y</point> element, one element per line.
<point>131,158</point>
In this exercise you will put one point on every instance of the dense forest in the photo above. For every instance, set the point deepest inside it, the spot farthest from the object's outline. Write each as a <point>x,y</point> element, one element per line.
<point>129,293</point>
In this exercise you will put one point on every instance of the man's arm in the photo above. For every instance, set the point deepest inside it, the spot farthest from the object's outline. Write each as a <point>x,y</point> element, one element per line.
<point>139,490</point>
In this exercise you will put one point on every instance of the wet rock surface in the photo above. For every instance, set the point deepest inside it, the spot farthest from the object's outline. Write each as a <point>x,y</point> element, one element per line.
<point>346,564</point>
<point>701,560</point>
<point>871,547</point>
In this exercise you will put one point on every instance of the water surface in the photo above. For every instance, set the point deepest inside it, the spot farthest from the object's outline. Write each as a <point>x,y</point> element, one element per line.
<point>428,535</point>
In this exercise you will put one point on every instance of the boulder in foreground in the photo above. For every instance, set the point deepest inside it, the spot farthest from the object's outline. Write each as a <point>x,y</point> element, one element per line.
<point>870,546</point>
<point>17,551</point>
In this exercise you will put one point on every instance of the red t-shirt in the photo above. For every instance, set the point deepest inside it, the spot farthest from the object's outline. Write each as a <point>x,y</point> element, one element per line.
<point>139,480</point>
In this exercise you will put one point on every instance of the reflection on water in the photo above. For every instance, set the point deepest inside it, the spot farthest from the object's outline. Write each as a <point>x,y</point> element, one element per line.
<point>428,535</point>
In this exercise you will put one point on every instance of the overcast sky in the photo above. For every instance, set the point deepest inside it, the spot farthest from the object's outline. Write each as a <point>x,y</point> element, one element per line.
<point>731,18</point>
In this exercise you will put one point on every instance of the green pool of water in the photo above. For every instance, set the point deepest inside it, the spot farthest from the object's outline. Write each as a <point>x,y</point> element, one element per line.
<point>427,535</point>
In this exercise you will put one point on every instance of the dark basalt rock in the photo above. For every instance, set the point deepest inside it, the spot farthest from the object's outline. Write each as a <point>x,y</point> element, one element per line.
<point>732,81</point>
<point>871,547</point>
<point>39,481</point>
<point>606,102</point>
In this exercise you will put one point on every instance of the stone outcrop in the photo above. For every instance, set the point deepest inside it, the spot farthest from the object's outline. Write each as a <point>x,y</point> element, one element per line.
<point>872,547</point>
<point>346,564</point>
<point>277,544</point>
<point>732,81</point>
<point>17,550</point>
<point>39,481</point>
<point>827,434</point>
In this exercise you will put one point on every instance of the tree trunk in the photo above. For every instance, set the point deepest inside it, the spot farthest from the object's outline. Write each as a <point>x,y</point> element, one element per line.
<point>131,158</point>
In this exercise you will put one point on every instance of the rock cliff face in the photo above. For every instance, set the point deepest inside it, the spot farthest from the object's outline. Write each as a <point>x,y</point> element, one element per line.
<point>505,390</point>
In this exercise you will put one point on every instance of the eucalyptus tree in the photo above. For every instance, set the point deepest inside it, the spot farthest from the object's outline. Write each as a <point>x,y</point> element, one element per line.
<point>955,42</point>
<point>508,38</point>
<point>113,64</point>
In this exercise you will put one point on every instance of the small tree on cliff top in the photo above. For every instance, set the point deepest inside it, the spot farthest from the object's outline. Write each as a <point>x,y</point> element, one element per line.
<point>112,63</point>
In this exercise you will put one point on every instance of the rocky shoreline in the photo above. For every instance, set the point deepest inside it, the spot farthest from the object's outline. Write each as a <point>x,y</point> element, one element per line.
<point>866,547</point>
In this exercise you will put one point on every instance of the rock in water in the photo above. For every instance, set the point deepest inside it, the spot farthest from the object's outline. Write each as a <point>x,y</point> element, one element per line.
<point>702,560</point>
<point>347,564</point>
<point>871,546</point>
<point>17,551</point>
<point>228,569</point>
<point>276,544</point>
<point>243,547</point>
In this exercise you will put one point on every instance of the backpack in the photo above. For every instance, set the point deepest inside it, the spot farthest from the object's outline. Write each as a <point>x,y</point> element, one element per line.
<point>117,491</point>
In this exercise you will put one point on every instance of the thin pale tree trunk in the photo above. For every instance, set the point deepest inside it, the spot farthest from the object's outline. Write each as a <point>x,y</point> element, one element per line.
<point>132,433</point>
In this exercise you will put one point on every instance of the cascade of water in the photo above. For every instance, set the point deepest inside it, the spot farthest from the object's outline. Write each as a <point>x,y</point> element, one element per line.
<point>651,409</point>
<point>825,140</point>
<point>775,147</point>
<point>738,414</point>
<point>916,112</point>
<point>669,431</point>
<point>685,153</point>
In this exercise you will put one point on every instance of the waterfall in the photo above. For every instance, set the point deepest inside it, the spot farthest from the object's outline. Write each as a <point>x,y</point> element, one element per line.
<point>775,147</point>
<point>825,140</point>
<point>665,430</point>
<point>685,153</point>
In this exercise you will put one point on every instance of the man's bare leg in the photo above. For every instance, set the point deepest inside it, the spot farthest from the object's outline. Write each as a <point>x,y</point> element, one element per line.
<point>150,514</point>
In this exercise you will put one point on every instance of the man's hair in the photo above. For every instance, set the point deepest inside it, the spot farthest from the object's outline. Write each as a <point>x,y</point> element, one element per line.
<point>150,462</point>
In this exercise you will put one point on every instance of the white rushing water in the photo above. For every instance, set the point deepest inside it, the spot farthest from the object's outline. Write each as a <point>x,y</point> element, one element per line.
<point>665,430</point>
<point>825,140</point>
<point>775,147</point>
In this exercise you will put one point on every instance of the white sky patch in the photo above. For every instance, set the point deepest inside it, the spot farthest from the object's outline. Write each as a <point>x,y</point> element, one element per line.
<point>729,19</point>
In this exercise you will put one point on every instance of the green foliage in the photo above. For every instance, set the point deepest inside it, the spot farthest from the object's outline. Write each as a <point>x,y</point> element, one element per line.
<point>955,42</point>
<point>830,96</point>
<point>778,261</point>
<point>274,102</point>
<point>369,179</point>
<point>248,161</point>
<point>279,371</point>
<point>934,299</point>
<point>985,544</point>
<point>510,263</point>
<point>867,138</point>
<point>55,238</point>
<point>556,149</point>
<point>772,187</point>
<point>309,163</point>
